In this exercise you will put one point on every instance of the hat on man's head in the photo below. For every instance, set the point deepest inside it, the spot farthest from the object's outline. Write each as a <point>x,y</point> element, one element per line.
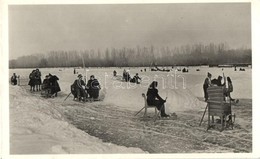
<point>79,76</point>
<point>92,76</point>
<point>209,74</point>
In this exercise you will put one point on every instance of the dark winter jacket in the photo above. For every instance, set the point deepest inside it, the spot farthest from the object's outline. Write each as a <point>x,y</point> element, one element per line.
<point>55,87</point>
<point>153,97</point>
<point>46,84</point>
<point>32,79</point>
<point>14,80</point>
<point>93,84</point>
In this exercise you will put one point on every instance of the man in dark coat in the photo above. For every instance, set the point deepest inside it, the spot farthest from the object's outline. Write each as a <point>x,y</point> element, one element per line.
<point>153,98</point>
<point>78,90</point>
<point>32,80</point>
<point>207,83</point>
<point>93,87</point>
<point>55,87</point>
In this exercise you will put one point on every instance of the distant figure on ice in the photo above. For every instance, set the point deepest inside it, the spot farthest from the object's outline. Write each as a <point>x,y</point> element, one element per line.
<point>74,71</point>
<point>185,70</point>
<point>78,89</point>
<point>218,81</point>
<point>38,80</point>
<point>114,73</point>
<point>126,76</point>
<point>14,79</point>
<point>241,69</point>
<point>55,87</point>
<point>93,87</point>
<point>136,79</point>
<point>32,80</point>
<point>144,69</point>
<point>153,98</point>
<point>206,84</point>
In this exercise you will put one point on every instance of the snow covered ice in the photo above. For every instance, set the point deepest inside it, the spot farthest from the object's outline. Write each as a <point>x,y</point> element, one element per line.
<point>41,126</point>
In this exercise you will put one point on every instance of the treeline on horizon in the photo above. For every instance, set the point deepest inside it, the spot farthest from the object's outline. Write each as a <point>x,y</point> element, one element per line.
<point>186,55</point>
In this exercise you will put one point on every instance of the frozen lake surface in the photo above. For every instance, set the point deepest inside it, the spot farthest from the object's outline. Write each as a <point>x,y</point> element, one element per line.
<point>113,121</point>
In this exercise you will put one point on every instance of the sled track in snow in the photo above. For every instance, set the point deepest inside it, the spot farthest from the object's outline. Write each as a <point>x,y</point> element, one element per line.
<point>121,127</point>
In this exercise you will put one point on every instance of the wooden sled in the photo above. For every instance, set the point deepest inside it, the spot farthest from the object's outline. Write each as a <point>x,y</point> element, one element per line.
<point>218,106</point>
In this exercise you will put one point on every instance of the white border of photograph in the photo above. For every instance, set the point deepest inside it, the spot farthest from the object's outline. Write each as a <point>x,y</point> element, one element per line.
<point>4,92</point>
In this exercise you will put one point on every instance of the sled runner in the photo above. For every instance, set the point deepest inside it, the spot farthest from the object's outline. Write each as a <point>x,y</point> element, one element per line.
<point>217,106</point>
<point>87,100</point>
<point>172,116</point>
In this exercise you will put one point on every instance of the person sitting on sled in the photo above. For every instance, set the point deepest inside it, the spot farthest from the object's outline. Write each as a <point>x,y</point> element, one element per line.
<point>78,89</point>
<point>14,79</point>
<point>135,79</point>
<point>93,87</point>
<point>153,98</point>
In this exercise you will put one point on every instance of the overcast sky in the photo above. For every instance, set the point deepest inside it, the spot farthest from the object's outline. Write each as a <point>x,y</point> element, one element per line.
<point>42,28</point>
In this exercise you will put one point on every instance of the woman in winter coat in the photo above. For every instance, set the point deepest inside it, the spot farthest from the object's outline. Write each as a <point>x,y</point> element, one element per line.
<point>93,87</point>
<point>32,80</point>
<point>153,98</point>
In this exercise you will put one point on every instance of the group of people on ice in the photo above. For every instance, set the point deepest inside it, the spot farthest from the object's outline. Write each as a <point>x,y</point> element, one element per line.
<point>49,86</point>
<point>81,91</point>
<point>126,77</point>
<point>218,82</point>
<point>35,80</point>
